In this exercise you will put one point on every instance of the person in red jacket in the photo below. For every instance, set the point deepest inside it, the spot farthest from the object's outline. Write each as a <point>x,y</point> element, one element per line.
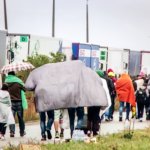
<point>125,93</point>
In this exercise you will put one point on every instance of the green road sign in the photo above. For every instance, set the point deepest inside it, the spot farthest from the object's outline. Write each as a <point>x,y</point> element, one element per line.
<point>23,38</point>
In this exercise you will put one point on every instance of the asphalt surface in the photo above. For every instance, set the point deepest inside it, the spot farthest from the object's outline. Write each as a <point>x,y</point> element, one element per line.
<point>33,134</point>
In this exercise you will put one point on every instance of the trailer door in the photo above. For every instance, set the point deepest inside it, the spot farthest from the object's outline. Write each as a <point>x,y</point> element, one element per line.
<point>115,60</point>
<point>145,62</point>
<point>125,60</point>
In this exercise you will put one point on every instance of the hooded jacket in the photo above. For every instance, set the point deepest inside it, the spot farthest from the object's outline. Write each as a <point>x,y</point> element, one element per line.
<point>125,90</point>
<point>5,104</point>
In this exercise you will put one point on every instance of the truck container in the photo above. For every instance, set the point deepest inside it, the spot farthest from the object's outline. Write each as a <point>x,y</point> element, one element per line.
<point>118,60</point>
<point>134,62</point>
<point>44,45</point>
<point>82,52</point>
<point>17,47</point>
<point>67,49</point>
<point>87,53</point>
<point>95,52</point>
<point>145,62</point>
<point>3,52</point>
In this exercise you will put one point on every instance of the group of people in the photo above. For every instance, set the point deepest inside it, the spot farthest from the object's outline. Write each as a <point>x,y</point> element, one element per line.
<point>134,93</point>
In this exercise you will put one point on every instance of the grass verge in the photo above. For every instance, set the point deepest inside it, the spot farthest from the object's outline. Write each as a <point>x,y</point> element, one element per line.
<point>139,141</point>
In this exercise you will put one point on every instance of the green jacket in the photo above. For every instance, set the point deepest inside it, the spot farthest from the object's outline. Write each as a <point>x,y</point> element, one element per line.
<point>13,78</point>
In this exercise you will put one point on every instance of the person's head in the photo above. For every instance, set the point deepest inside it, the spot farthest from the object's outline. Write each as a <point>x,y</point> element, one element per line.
<point>141,75</point>
<point>11,73</point>
<point>5,87</point>
<point>109,70</point>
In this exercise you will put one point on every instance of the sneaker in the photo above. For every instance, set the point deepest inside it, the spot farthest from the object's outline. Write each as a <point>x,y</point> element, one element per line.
<point>12,134</point>
<point>106,119</point>
<point>22,134</point>
<point>89,133</point>
<point>43,138</point>
<point>62,135</point>
<point>57,135</point>
<point>141,120</point>
<point>111,119</point>
<point>49,135</point>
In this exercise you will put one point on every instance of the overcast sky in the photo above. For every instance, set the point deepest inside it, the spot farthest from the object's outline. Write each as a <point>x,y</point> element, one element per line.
<point>113,23</point>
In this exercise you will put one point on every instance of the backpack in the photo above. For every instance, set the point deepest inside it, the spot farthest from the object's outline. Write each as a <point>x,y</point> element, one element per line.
<point>141,96</point>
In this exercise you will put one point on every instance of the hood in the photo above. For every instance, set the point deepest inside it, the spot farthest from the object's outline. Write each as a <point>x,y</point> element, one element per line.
<point>3,94</point>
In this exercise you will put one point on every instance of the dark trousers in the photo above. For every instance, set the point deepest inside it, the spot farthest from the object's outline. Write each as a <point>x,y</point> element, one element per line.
<point>17,109</point>
<point>3,128</point>
<point>140,110</point>
<point>93,119</point>
<point>50,120</point>
<point>80,114</point>
<point>112,107</point>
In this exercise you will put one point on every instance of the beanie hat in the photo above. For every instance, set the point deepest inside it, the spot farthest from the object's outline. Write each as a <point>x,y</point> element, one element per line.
<point>109,70</point>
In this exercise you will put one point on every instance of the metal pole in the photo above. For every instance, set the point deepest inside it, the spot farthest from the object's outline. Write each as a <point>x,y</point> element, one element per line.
<point>87,22</point>
<point>53,19</point>
<point>5,15</point>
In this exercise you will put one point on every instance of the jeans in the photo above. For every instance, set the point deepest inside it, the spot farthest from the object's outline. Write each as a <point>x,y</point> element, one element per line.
<point>80,114</point>
<point>50,121</point>
<point>110,111</point>
<point>127,109</point>
<point>17,109</point>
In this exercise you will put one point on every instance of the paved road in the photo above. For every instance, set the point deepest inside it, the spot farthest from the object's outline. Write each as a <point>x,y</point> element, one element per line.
<point>33,131</point>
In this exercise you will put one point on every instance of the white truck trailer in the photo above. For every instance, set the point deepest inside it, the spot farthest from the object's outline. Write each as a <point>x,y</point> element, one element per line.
<point>3,52</point>
<point>118,60</point>
<point>103,58</point>
<point>44,45</point>
<point>145,62</point>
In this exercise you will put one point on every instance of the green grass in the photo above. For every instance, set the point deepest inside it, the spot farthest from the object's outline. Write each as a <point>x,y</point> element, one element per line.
<point>139,141</point>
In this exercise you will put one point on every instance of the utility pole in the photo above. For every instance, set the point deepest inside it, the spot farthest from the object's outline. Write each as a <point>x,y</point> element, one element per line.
<point>87,22</point>
<point>53,19</point>
<point>5,15</point>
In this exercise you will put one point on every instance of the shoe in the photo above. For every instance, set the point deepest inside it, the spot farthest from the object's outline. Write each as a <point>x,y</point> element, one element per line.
<point>43,138</point>
<point>106,119</point>
<point>120,119</point>
<point>61,135</point>
<point>49,135</point>
<point>12,134</point>
<point>89,133</point>
<point>111,119</point>
<point>57,135</point>
<point>22,134</point>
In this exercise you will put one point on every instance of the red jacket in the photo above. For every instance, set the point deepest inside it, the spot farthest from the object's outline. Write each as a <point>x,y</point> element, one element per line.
<point>125,90</point>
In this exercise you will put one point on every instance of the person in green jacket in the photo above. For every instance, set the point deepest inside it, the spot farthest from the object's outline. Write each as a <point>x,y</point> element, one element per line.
<point>16,90</point>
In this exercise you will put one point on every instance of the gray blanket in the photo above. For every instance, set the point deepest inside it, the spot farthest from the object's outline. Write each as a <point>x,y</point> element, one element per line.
<point>65,85</point>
